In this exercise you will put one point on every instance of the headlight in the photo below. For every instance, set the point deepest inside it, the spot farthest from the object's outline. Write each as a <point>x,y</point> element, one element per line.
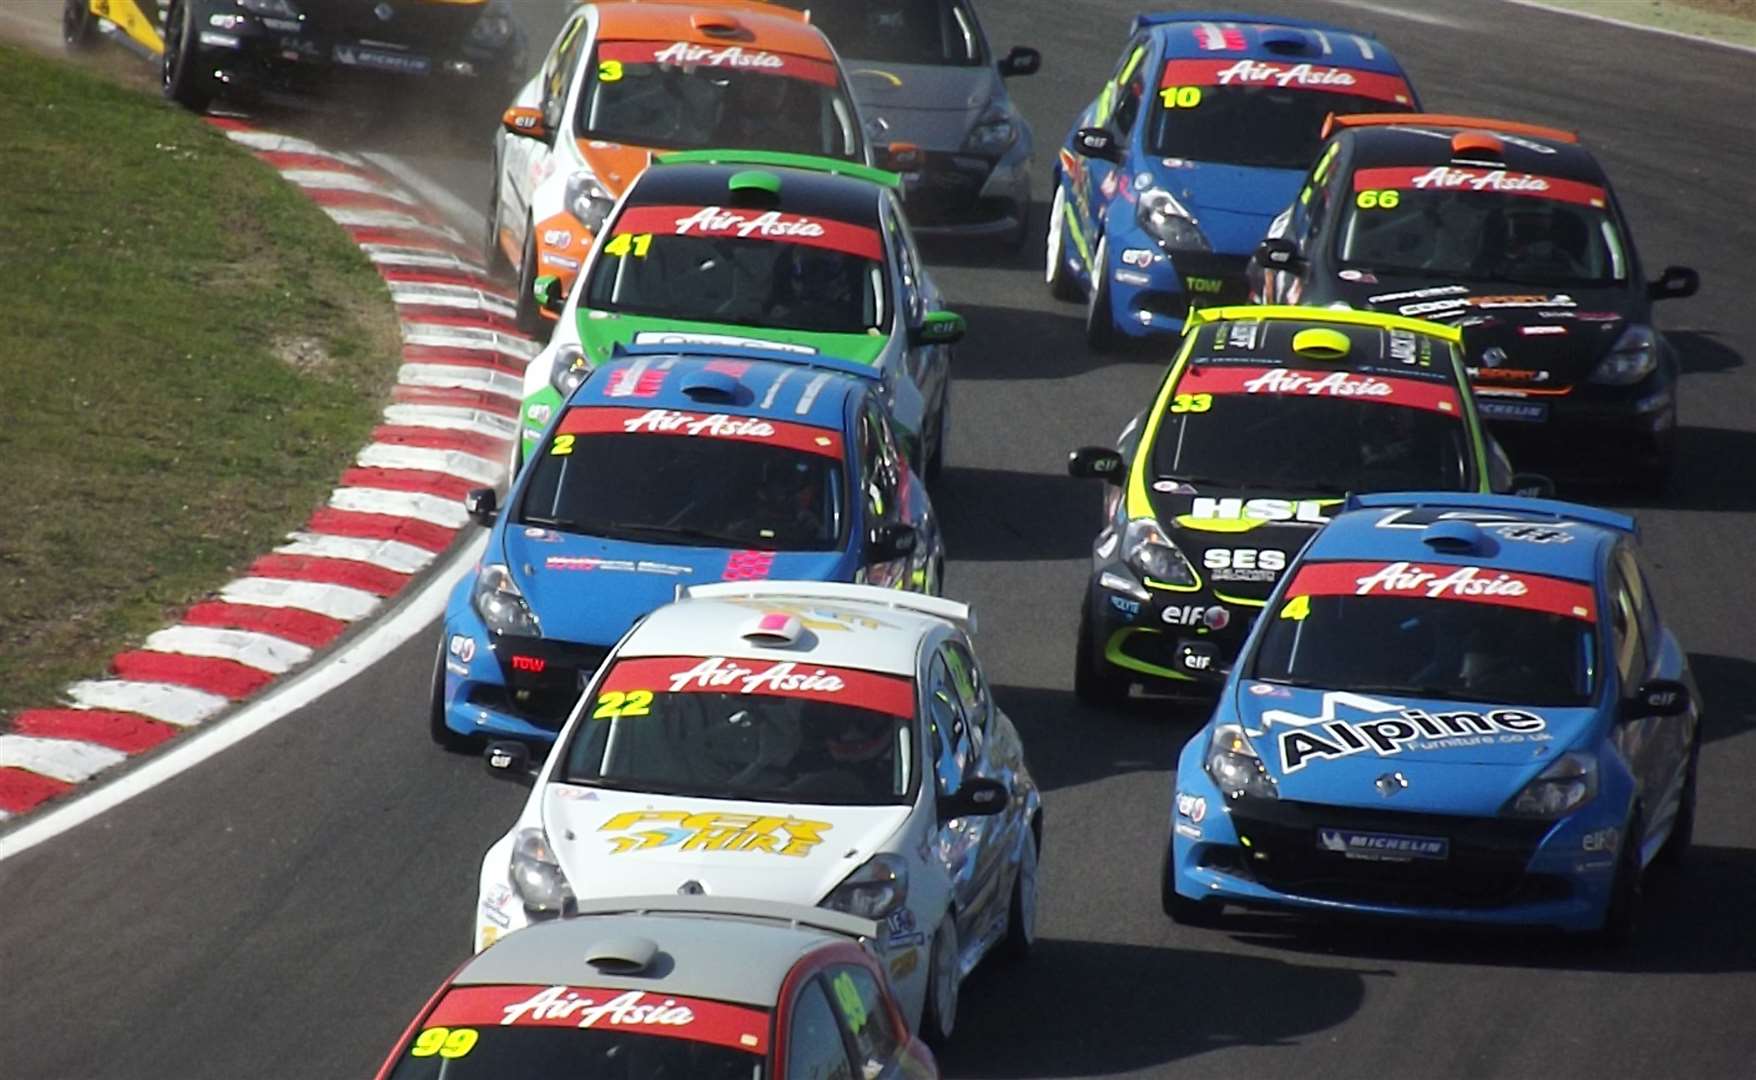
<point>274,9</point>
<point>1164,218</point>
<point>994,132</point>
<point>589,201</point>
<point>500,604</point>
<point>1147,549</point>
<point>874,890</point>
<point>536,874</point>
<point>492,30</point>
<point>1233,766</point>
<point>1563,787</point>
<point>568,370</point>
<point>1633,358</point>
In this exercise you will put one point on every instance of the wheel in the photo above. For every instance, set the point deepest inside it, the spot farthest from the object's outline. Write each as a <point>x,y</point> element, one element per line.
<point>79,30</point>
<point>1021,916</point>
<point>530,317</point>
<point>180,73</point>
<point>1100,328</point>
<point>1182,910</point>
<point>939,1014</point>
<point>1055,272</point>
<point>1677,844</point>
<point>1095,681</point>
<point>1622,914</point>
<point>436,725</point>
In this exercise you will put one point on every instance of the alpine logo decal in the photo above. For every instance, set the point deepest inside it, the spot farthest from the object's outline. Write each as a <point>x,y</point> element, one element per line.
<point>689,830</point>
<point>1386,730</point>
<point>776,225</point>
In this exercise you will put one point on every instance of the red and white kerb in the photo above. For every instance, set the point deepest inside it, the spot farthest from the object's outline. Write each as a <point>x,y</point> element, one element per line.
<point>1224,379</point>
<point>784,228</point>
<point>888,694</point>
<point>1470,584</point>
<point>619,420</point>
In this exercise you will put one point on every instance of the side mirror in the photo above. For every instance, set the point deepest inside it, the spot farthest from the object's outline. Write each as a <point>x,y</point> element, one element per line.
<point>1022,60</point>
<point>978,797</point>
<point>890,542</point>
<point>1279,253</point>
<point>1532,485</point>
<point>548,293</point>
<point>1096,463</point>
<point>1097,142</point>
<point>524,121</point>
<point>1660,697</point>
<point>1674,284</point>
<point>509,761</point>
<point>938,328</point>
<point>482,505</point>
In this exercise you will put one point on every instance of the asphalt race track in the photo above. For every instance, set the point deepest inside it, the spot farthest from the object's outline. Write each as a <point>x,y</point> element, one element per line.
<point>285,908</point>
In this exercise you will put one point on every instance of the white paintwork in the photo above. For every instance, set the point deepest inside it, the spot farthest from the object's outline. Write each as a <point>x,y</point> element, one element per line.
<point>335,601</point>
<point>264,652</point>
<point>392,555</point>
<point>173,704</point>
<point>453,418</point>
<point>461,377</point>
<point>67,760</point>
<point>482,470</point>
<point>432,509</point>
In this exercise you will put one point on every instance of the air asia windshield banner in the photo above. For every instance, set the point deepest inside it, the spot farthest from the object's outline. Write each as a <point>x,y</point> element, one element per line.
<point>610,420</point>
<point>1442,581</point>
<point>1318,77</point>
<point>780,678</point>
<point>718,222</point>
<point>1228,379</point>
<point>689,55</point>
<point>634,1011</point>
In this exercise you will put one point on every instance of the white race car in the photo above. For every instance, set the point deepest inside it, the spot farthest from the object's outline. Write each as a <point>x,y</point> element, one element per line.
<point>825,744</point>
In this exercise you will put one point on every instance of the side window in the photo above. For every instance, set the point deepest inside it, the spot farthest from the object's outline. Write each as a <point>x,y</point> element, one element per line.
<point>1314,197</point>
<point>867,1018</point>
<point>971,690</point>
<point>907,263</point>
<point>879,465</point>
<point>1632,573</point>
<point>1130,93</point>
<point>816,1050</point>
<point>951,749</point>
<point>558,70</point>
<point>1625,626</point>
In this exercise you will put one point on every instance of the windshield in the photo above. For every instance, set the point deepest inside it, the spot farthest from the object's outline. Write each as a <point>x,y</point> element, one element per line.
<point>898,31</point>
<point>637,474</point>
<point>1481,225</point>
<point>1260,115</point>
<point>513,1032</point>
<point>761,730</point>
<point>748,268</point>
<point>678,96</point>
<point>1321,432</point>
<point>1459,632</point>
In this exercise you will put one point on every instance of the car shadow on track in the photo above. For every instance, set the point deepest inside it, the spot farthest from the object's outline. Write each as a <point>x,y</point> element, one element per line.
<point>1706,476</point>
<point>1087,1008</point>
<point>1703,351</point>
<point>1010,515</point>
<point>1069,743</point>
<point>1728,694</point>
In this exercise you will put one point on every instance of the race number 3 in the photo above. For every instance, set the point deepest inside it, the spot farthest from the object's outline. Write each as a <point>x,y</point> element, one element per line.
<point>610,71</point>
<point>1180,97</point>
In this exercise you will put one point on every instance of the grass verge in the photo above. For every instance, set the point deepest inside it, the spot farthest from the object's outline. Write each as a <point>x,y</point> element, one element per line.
<point>190,352</point>
<point>1723,20</point>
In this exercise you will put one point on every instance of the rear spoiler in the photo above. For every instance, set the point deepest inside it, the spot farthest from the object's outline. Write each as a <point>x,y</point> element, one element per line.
<point>1167,18</point>
<point>777,160</point>
<point>1452,120</point>
<point>1341,316</point>
<point>1552,509</point>
<point>936,606</point>
<point>815,918</point>
<point>709,350</point>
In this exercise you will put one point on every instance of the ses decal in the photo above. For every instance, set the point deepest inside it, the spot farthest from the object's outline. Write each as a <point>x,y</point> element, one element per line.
<point>689,830</point>
<point>1243,564</point>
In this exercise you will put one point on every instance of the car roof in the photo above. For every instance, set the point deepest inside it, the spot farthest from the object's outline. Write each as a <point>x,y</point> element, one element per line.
<point>724,952</point>
<point>663,20</point>
<point>1536,536</point>
<point>1413,143</point>
<point>1219,35</point>
<point>1276,336</point>
<point>806,192</point>
<point>740,382</point>
<point>850,626</point>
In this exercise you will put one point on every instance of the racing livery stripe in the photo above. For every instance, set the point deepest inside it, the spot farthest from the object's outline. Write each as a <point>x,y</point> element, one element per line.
<point>1446,581</point>
<point>226,678</point>
<point>1353,385</point>
<point>890,694</point>
<point>782,228</point>
<point>1319,77</point>
<point>620,420</point>
<point>729,58</point>
<point>265,652</point>
<point>184,706</point>
<point>1496,181</point>
<point>127,732</point>
<point>636,1011</point>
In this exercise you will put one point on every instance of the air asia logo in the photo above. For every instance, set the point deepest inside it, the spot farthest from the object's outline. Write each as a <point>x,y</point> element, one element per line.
<point>772,224</point>
<point>632,1009</point>
<point>1388,729</point>
<point>1249,72</point>
<point>1334,384</point>
<point>1462,581</point>
<point>772,834</point>
<point>732,56</point>
<point>671,422</point>
<point>1448,179</point>
<point>718,673</point>
<point>1309,511</point>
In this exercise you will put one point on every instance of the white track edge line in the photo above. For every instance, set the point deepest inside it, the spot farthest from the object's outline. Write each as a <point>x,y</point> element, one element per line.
<point>1626,24</point>
<point>464,217</point>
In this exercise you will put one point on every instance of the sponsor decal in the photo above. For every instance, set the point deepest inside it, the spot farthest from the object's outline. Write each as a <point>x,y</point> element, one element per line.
<point>1206,285</point>
<point>1432,396</point>
<point>1183,614</point>
<point>1471,584</point>
<point>585,563</point>
<point>1317,77</point>
<point>904,965</point>
<point>893,695</point>
<point>690,55</point>
<point>602,419</point>
<point>1546,330</point>
<point>1243,564</point>
<point>1131,277</point>
<point>693,830</point>
<point>679,337</point>
<point>496,906</point>
<point>1307,511</point>
<point>1364,277</point>
<point>1386,730</point>
<point>664,1015</point>
<point>1126,606</point>
<point>1193,807</point>
<point>775,225</point>
<point>1498,181</point>
<point>1601,840</point>
<point>462,646</point>
<point>563,261</point>
<point>1535,534</point>
<point>1382,847</point>
<point>539,414</point>
<point>1419,294</point>
<point>900,928</point>
<point>1138,257</point>
<point>748,566</point>
<point>557,238</point>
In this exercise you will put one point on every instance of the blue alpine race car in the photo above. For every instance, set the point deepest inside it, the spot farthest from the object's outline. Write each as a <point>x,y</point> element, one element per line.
<point>1455,707</point>
<point>1201,136</point>
<point>672,465</point>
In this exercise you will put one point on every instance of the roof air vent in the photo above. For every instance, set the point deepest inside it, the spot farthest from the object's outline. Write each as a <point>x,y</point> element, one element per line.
<point>1321,343</point>
<point>716,24</point>
<point>706,385</point>
<point>622,956</point>
<point>774,628</point>
<point>1478,146</point>
<point>754,187</point>
<point>1456,536</point>
<point>1285,41</point>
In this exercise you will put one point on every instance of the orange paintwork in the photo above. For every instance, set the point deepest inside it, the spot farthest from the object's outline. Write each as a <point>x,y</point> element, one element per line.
<point>1505,127</point>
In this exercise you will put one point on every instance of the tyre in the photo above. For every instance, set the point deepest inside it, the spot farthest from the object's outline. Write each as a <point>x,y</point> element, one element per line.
<point>1095,681</point>
<point>79,28</point>
<point>530,318</point>
<point>1677,844</point>
<point>1021,916</point>
<point>1055,272</point>
<point>939,1013</point>
<point>436,725</point>
<point>1182,910</point>
<point>1622,914</point>
<point>180,71</point>
<point>1100,327</point>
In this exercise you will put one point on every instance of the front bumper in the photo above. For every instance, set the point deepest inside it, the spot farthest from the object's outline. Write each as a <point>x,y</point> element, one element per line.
<point>519,688</point>
<point>1619,425</point>
<point>1152,291</point>
<point>968,196</point>
<point>1169,636</point>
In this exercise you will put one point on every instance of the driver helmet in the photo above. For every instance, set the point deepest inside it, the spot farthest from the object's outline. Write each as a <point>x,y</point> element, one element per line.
<point>856,737</point>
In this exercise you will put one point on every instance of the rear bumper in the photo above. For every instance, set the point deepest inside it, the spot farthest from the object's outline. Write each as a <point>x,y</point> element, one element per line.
<point>250,59</point>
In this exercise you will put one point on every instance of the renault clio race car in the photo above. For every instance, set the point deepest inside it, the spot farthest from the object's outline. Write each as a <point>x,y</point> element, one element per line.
<point>672,466</point>
<point>1266,419</point>
<point>1170,177</point>
<point>934,99</point>
<point>1512,232</point>
<point>247,48</point>
<point>775,251</point>
<point>623,80</point>
<point>819,744</point>
<point>1456,708</point>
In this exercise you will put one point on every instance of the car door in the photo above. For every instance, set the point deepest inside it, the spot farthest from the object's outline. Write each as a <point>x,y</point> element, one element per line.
<point>1093,179</point>
<point>916,295</point>
<point>1640,739</point>
<point>1307,223</point>
<point>914,508</point>
<point>961,841</point>
<point>881,495</point>
<point>1672,738</point>
<point>997,756</point>
<point>528,162</point>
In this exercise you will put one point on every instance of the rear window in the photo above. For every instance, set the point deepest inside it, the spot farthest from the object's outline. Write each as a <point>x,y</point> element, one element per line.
<point>898,31</point>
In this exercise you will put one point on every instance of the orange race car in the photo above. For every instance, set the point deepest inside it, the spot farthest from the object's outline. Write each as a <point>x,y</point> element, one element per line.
<point>625,79</point>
